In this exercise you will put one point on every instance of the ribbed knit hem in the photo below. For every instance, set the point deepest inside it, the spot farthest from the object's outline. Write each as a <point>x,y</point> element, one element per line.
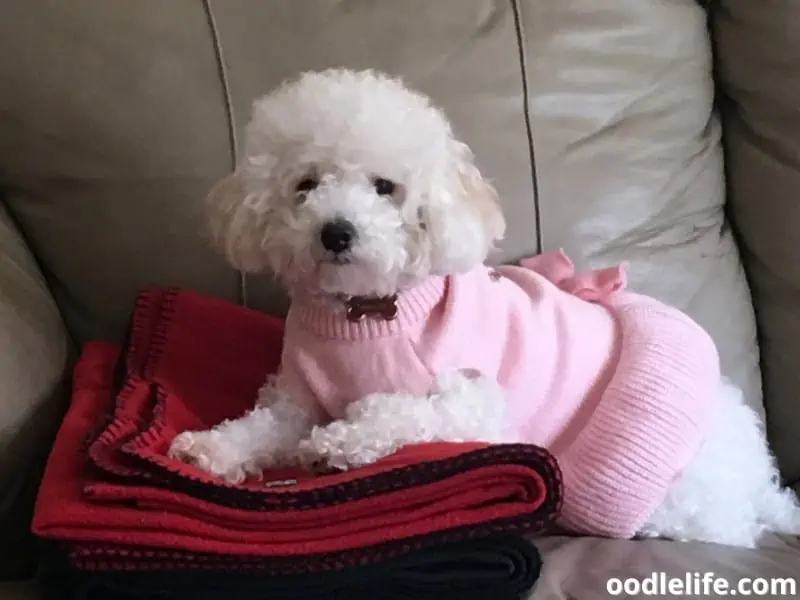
<point>413,306</point>
<point>649,423</point>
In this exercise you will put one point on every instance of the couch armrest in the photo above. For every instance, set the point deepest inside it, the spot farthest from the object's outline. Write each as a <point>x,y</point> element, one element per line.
<point>34,351</point>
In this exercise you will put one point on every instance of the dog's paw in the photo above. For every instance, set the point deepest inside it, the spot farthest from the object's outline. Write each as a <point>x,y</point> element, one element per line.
<point>310,459</point>
<point>206,451</point>
<point>325,448</point>
<point>341,446</point>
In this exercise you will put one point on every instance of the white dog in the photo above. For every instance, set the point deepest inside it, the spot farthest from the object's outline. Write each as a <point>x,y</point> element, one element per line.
<point>354,191</point>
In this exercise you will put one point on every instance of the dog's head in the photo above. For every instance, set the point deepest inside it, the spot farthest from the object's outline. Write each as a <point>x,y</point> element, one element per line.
<point>352,184</point>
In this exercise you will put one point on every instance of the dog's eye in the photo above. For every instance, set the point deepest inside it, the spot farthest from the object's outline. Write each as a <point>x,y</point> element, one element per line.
<point>384,187</point>
<point>306,185</point>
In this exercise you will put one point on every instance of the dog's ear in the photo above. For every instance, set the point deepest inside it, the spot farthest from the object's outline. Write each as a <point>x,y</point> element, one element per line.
<point>462,216</point>
<point>236,221</point>
<point>483,199</point>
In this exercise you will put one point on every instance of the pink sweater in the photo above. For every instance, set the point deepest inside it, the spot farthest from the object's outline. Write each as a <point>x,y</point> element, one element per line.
<point>620,387</point>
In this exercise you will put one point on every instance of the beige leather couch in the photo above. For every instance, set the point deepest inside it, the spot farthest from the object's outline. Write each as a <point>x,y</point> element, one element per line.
<point>597,119</point>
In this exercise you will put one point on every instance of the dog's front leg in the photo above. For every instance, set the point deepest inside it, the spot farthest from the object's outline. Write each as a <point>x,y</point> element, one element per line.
<point>267,436</point>
<point>464,406</point>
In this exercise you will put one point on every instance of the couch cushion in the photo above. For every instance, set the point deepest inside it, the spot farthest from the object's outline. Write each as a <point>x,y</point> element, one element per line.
<point>628,157</point>
<point>112,128</point>
<point>33,353</point>
<point>581,568</point>
<point>21,590</point>
<point>759,75</point>
<point>117,121</point>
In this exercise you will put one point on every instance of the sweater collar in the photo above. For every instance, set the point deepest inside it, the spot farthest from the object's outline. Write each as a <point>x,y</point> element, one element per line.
<point>329,319</point>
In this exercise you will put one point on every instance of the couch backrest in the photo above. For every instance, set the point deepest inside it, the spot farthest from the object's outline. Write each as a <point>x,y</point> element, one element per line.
<point>594,119</point>
<point>758,46</point>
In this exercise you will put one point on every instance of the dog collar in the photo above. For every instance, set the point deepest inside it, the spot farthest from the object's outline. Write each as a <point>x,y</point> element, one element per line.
<point>360,307</point>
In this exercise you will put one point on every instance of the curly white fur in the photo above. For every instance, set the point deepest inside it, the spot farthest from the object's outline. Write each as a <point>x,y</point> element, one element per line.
<point>343,130</point>
<point>361,148</point>
<point>730,492</point>
<point>267,436</point>
<point>463,407</point>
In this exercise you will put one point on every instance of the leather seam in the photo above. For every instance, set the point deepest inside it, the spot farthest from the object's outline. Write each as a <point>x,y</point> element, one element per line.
<point>516,9</point>
<point>229,113</point>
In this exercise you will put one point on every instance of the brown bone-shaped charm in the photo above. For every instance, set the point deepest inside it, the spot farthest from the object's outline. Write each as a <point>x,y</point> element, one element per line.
<point>384,307</point>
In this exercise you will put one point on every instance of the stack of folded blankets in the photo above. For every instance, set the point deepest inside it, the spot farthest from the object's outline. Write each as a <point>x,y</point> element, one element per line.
<point>122,520</point>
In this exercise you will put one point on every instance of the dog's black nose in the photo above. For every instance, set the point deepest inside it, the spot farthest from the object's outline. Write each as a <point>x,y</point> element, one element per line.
<point>337,236</point>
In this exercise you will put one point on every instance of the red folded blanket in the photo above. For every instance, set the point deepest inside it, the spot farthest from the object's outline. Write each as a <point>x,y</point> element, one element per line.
<point>193,361</point>
<point>203,358</point>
